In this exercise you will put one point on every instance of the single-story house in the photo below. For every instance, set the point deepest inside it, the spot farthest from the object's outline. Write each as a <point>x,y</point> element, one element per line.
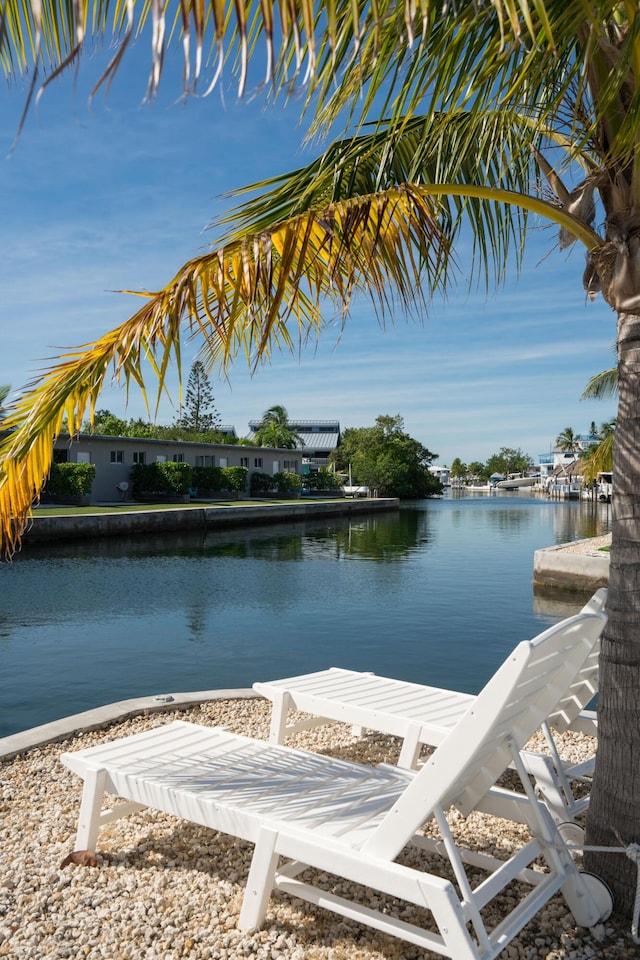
<point>115,456</point>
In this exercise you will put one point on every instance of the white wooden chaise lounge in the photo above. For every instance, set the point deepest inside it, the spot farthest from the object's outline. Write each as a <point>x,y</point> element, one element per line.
<point>423,715</point>
<point>353,820</point>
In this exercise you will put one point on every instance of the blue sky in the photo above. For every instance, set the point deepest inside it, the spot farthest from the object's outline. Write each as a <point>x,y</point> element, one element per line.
<point>120,196</point>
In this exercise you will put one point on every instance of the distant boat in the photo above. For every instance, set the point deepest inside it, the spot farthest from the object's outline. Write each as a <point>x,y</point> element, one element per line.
<point>517,480</point>
<point>351,490</point>
<point>605,486</point>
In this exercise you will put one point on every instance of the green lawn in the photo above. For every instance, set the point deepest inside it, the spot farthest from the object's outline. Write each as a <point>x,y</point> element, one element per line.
<point>55,510</point>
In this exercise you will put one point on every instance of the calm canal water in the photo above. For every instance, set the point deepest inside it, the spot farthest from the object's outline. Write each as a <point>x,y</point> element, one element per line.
<point>437,592</point>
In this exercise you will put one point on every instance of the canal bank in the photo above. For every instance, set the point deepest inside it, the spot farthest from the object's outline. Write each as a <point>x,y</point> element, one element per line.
<point>580,565</point>
<point>123,522</point>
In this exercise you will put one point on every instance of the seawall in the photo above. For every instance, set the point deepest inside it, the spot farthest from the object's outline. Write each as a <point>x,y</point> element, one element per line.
<point>572,566</point>
<point>121,523</point>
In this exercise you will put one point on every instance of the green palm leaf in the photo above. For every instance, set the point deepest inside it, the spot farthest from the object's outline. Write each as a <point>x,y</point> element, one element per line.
<point>523,56</point>
<point>453,152</point>
<point>602,386</point>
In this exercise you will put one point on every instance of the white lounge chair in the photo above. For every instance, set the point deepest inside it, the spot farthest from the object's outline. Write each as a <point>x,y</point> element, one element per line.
<point>353,820</point>
<point>420,714</point>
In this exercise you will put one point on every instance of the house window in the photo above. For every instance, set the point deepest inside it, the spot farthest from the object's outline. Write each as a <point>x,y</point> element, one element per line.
<point>224,462</point>
<point>244,461</point>
<point>83,456</point>
<point>161,458</point>
<point>257,462</point>
<point>139,456</point>
<point>178,458</point>
<point>202,461</point>
<point>290,466</point>
<point>117,456</point>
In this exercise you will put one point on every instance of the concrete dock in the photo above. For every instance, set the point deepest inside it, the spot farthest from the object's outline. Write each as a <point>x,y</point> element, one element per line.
<point>582,565</point>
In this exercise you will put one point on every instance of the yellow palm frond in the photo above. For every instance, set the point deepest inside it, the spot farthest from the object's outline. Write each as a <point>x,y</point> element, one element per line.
<point>239,299</point>
<point>599,460</point>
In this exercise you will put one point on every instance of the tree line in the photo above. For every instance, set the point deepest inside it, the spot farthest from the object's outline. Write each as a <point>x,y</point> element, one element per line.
<point>386,459</point>
<point>595,450</point>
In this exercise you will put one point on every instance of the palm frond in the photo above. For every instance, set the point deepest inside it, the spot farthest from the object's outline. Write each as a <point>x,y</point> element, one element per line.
<point>602,386</point>
<point>354,55</point>
<point>598,460</point>
<point>293,41</point>
<point>242,298</point>
<point>533,58</point>
<point>448,155</point>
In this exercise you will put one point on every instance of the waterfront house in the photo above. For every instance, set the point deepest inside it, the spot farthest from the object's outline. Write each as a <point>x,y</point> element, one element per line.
<point>558,461</point>
<point>115,456</point>
<point>319,439</point>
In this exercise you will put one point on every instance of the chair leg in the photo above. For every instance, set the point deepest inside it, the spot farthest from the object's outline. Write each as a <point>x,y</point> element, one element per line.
<point>260,881</point>
<point>90,808</point>
<point>279,711</point>
<point>411,747</point>
<point>544,772</point>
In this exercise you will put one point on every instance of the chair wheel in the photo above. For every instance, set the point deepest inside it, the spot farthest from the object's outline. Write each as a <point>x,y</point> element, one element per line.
<point>573,835</point>
<point>601,893</point>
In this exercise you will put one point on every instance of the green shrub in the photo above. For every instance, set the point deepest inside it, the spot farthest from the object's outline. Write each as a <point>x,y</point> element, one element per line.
<point>150,479</point>
<point>209,479</point>
<point>235,478</point>
<point>205,479</point>
<point>287,482</point>
<point>70,479</point>
<point>322,479</point>
<point>261,483</point>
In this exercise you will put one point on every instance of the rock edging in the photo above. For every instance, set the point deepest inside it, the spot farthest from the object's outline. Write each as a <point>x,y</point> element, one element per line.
<point>121,710</point>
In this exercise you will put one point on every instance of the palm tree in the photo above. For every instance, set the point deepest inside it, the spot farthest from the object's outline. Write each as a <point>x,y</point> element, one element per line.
<point>599,457</point>
<point>481,115</point>
<point>276,431</point>
<point>567,441</point>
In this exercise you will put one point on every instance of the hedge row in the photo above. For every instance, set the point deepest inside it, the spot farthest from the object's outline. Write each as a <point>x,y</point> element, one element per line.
<point>150,479</point>
<point>70,479</point>
<point>282,483</point>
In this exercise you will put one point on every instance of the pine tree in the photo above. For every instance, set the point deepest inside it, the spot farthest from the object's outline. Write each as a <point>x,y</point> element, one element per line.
<point>198,412</point>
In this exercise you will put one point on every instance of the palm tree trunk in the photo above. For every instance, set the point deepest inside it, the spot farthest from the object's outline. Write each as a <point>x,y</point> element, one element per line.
<point>614,813</point>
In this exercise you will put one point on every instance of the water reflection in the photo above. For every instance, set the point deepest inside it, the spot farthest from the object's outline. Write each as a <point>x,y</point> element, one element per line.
<point>556,603</point>
<point>592,520</point>
<point>505,520</point>
<point>385,538</point>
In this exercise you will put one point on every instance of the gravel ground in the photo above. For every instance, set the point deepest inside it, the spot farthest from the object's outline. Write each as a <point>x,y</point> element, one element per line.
<point>588,547</point>
<point>168,889</point>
